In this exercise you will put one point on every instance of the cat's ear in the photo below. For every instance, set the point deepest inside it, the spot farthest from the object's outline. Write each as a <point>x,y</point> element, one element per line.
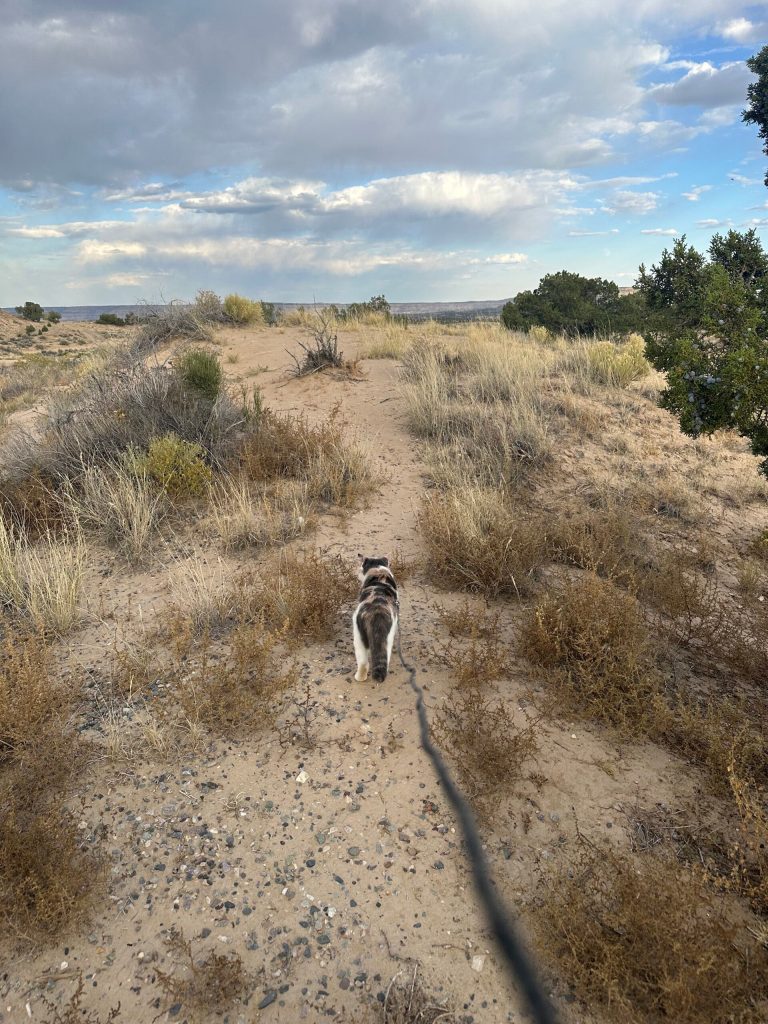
<point>385,562</point>
<point>361,557</point>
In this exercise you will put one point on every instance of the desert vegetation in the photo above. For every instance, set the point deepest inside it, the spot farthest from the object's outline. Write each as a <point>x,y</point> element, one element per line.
<point>177,554</point>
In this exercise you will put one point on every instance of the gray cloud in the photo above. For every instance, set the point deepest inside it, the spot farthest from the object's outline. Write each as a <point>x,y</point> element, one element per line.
<point>704,85</point>
<point>105,93</point>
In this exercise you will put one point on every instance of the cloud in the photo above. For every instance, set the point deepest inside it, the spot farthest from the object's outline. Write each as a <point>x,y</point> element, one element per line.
<point>704,85</point>
<point>696,192</point>
<point>740,179</point>
<point>631,202</point>
<point>593,234</point>
<point>741,30</point>
<point>713,222</point>
<point>126,92</point>
<point>659,231</point>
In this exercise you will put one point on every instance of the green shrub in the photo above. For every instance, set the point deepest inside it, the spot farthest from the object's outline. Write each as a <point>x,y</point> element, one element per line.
<point>201,370</point>
<point>29,329</point>
<point>112,319</point>
<point>618,365</point>
<point>30,311</point>
<point>176,465</point>
<point>52,316</point>
<point>243,311</point>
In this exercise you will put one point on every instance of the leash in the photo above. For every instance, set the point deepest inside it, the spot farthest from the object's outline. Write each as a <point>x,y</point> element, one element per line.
<point>518,960</point>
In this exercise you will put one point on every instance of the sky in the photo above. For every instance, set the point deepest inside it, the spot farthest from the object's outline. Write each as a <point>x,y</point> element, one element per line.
<point>330,150</point>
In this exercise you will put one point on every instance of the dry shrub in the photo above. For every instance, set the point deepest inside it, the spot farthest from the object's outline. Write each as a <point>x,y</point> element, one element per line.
<point>117,410</point>
<point>321,353</point>
<point>695,613</point>
<point>243,519</point>
<point>47,874</point>
<point>33,505</point>
<point>46,871</point>
<point>750,871</point>
<point>713,734</point>
<point>73,1012</point>
<point>288,447</point>
<point>470,620</point>
<point>240,691</point>
<point>208,985</point>
<point>391,341</point>
<point>593,642</point>
<point>605,541</point>
<point>409,1001</point>
<point>643,941</point>
<point>41,581</point>
<point>305,594</point>
<point>488,749</point>
<point>163,324</point>
<point>477,541</point>
<point>201,596</point>
<point>484,657</point>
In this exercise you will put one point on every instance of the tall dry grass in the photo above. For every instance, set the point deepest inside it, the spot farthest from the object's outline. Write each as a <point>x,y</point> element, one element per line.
<point>42,581</point>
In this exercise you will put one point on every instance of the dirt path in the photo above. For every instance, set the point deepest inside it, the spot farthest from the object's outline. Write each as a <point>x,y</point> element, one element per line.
<point>325,868</point>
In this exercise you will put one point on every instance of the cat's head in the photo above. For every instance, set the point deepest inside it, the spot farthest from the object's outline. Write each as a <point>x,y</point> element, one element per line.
<point>371,563</point>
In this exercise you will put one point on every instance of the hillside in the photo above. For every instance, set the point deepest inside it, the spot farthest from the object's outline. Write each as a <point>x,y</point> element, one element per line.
<point>582,590</point>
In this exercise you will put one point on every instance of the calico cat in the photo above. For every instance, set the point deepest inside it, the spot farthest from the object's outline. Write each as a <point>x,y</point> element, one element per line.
<point>375,619</point>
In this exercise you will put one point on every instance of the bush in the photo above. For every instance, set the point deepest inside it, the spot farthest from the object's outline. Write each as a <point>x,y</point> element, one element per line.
<point>201,371</point>
<point>642,941</point>
<point>242,311</point>
<point>618,365</point>
<point>176,465</point>
<point>112,319</point>
<point>592,640</point>
<point>30,311</point>
<point>477,541</point>
<point>52,316</point>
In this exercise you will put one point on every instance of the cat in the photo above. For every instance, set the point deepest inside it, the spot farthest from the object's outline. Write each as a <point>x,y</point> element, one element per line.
<point>374,621</point>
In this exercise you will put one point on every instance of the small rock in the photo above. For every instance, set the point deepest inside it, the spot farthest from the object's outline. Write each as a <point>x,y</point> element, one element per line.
<point>477,963</point>
<point>270,997</point>
<point>301,777</point>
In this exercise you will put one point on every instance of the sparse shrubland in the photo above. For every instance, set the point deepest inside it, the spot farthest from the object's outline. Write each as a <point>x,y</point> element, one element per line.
<point>40,581</point>
<point>643,940</point>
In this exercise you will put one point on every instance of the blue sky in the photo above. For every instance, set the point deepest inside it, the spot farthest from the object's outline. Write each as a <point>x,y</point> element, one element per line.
<point>433,150</point>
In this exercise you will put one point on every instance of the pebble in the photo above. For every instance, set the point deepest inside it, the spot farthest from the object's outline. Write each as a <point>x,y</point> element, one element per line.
<point>269,998</point>
<point>302,777</point>
<point>477,963</point>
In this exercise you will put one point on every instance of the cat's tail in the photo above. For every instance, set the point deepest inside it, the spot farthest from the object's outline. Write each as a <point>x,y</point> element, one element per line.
<point>380,626</point>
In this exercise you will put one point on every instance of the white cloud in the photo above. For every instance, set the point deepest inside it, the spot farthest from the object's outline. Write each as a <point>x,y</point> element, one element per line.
<point>740,179</point>
<point>696,192</point>
<point>631,202</point>
<point>713,222</point>
<point>659,231</point>
<point>593,234</point>
<point>741,30</point>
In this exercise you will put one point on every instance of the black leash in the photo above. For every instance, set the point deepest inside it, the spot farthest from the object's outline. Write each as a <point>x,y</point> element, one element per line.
<point>517,958</point>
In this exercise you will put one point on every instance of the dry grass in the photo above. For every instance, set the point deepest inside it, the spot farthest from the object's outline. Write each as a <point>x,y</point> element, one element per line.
<point>593,642</point>
<point>643,941</point>
<point>476,540</point>
<point>201,594</point>
<point>608,541</point>
<point>41,581</point>
<point>283,447</point>
<point>489,750</point>
<point>243,519</point>
<point>121,504</point>
<point>409,1001</point>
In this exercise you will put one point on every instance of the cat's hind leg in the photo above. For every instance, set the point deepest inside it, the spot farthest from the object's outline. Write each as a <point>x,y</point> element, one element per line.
<point>361,652</point>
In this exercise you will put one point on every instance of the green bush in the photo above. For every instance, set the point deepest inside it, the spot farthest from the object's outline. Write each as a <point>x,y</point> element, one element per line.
<point>201,371</point>
<point>242,311</point>
<point>52,316</point>
<point>30,311</point>
<point>112,319</point>
<point>618,365</point>
<point>176,465</point>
